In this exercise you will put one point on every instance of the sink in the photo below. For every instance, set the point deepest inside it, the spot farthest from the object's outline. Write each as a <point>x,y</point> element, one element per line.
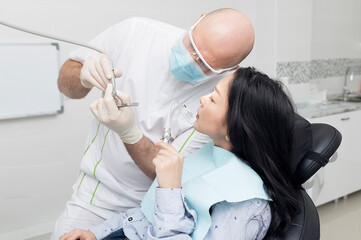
<point>349,98</point>
<point>354,99</point>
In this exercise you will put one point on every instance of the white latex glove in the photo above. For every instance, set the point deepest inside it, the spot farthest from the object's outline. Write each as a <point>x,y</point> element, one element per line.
<point>119,120</point>
<point>97,72</point>
<point>168,166</point>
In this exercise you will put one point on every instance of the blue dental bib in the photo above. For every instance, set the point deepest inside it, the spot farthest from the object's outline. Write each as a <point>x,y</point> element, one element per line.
<point>211,175</point>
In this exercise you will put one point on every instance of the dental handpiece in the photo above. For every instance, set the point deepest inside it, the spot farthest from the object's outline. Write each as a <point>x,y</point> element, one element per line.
<point>114,92</point>
<point>120,105</point>
<point>167,134</point>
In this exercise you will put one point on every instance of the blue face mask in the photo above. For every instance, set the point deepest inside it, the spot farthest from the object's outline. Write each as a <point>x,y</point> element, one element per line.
<point>182,65</point>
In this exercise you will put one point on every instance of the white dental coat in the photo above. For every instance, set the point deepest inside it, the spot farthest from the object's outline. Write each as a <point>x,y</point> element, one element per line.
<point>109,180</point>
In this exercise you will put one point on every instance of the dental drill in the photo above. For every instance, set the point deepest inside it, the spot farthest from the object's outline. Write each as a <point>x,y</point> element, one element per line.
<point>167,131</point>
<point>114,93</point>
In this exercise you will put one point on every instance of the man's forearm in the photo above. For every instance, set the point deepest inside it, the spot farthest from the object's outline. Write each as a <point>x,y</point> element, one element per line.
<point>69,80</point>
<point>143,152</point>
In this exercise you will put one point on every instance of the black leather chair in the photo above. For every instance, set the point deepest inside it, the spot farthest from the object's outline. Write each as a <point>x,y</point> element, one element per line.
<point>314,145</point>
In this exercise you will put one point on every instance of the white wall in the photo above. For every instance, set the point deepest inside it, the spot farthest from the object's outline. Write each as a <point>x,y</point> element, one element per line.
<point>40,156</point>
<point>336,34</point>
<point>336,29</point>
<point>294,29</point>
<point>327,31</point>
<point>322,29</point>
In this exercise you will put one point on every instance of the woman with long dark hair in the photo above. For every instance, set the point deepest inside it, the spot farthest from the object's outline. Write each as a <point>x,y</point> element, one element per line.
<point>238,186</point>
<point>260,124</point>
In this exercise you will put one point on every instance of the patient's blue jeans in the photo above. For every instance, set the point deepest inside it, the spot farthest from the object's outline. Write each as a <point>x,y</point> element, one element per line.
<point>117,235</point>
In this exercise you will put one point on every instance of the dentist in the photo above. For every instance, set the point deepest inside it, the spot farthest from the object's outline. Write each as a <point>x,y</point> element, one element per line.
<point>161,64</point>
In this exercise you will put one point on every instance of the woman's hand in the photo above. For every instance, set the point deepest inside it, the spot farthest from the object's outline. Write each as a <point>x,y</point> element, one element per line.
<point>78,234</point>
<point>119,120</point>
<point>168,166</point>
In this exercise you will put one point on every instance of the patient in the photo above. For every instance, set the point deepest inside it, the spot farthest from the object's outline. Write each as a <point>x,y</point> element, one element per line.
<point>239,186</point>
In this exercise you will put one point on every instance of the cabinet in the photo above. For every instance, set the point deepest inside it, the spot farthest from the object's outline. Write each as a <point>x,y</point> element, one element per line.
<point>343,176</point>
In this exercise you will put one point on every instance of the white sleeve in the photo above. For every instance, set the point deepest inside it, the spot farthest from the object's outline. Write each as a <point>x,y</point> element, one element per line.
<point>112,41</point>
<point>172,217</point>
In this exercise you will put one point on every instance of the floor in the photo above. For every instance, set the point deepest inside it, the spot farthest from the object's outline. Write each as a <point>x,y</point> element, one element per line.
<point>341,220</point>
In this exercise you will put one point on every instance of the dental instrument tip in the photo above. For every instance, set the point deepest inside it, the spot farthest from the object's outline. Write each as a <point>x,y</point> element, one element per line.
<point>127,105</point>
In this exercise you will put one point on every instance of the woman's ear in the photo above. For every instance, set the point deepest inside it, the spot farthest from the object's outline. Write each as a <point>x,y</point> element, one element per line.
<point>227,138</point>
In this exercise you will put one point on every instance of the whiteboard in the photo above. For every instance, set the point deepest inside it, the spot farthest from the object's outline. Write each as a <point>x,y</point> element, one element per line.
<point>28,80</point>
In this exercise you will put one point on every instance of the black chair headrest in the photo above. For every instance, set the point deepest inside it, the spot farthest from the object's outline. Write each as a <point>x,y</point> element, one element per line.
<point>302,141</point>
<point>313,146</point>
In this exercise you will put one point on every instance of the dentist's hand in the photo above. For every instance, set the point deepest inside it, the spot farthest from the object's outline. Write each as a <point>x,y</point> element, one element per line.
<point>168,166</point>
<point>119,120</point>
<point>97,72</point>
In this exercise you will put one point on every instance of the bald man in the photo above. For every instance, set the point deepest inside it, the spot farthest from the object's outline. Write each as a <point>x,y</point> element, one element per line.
<point>166,70</point>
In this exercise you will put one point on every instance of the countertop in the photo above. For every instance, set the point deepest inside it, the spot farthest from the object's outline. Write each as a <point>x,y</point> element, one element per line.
<point>326,108</point>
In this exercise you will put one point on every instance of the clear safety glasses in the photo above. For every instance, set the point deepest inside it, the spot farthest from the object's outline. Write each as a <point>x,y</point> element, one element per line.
<point>216,71</point>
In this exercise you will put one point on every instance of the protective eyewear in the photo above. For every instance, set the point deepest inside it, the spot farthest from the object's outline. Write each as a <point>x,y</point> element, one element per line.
<point>216,71</point>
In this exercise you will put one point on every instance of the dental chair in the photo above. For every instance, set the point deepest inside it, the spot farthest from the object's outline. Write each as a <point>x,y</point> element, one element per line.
<point>314,144</point>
